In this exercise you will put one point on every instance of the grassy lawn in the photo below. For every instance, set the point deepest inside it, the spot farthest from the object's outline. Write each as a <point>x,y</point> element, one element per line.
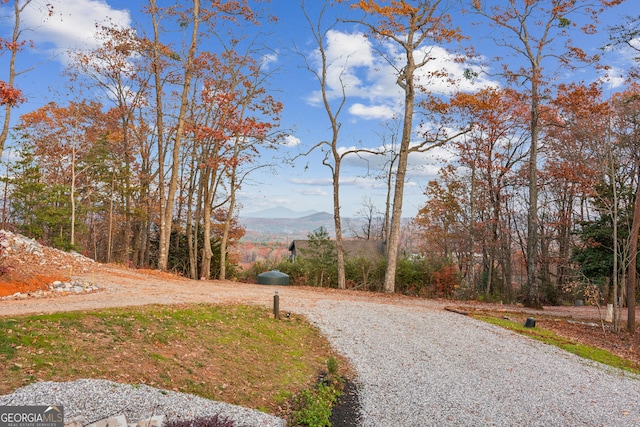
<point>232,353</point>
<point>549,337</point>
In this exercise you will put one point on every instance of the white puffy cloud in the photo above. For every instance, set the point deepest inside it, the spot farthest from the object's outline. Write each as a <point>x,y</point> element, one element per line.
<point>613,78</point>
<point>72,24</point>
<point>290,141</point>
<point>357,70</point>
<point>267,60</point>
<point>346,53</point>
<point>445,72</point>
<point>372,112</point>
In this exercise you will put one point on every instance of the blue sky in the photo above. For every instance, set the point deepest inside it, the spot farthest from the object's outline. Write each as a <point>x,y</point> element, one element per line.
<point>372,95</point>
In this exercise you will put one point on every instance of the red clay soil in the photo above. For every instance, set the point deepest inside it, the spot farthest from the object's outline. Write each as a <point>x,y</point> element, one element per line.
<point>25,278</point>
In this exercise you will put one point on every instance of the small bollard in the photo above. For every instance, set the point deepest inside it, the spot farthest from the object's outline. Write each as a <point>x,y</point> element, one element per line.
<point>276,306</point>
<point>530,322</point>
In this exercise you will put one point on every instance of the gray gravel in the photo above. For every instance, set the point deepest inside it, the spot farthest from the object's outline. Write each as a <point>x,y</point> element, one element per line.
<point>424,367</point>
<point>416,366</point>
<point>98,399</point>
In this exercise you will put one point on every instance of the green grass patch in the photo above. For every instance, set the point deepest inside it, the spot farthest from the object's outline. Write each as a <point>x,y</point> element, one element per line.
<point>233,353</point>
<point>549,337</point>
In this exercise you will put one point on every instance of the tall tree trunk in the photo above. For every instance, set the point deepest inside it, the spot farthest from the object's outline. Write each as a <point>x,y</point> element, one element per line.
<point>387,205</point>
<point>163,244</point>
<point>193,216</point>
<point>110,231</point>
<point>533,289</point>
<point>227,223</point>
<point>72,240</point>
<point>507,255</point>
<point>207,253</point>
<point>633,256</point>
<point>393,243</point>
<point>471,270</point>
<point>167,220</point>
<point>614,214</point>
<point>342,281</point>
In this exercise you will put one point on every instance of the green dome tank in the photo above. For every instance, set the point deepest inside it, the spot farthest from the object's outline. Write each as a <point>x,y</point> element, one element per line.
<point>273,277</point>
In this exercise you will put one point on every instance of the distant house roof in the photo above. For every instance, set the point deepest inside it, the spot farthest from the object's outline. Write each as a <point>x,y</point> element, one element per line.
<point>352,248</point>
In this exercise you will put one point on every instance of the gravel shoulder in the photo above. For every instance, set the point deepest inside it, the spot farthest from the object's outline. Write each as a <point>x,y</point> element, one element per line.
<point>416,364</point>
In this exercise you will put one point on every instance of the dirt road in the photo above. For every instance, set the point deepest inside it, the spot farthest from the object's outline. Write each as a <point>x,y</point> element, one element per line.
<point>121,287</point>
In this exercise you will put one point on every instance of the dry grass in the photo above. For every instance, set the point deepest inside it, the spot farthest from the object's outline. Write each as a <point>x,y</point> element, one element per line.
<point>232,353</point>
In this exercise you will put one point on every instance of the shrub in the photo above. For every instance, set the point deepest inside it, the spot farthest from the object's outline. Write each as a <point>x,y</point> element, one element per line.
<point>419,276</point>
<point>313,407</point>
<point>412,275</point>
<point>365,273</point>
<point>250,275</point>
<point>445,281</point>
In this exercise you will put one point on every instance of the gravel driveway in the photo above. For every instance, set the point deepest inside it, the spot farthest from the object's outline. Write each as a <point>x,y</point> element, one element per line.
<point>420,366</point>
<point>416,364</point>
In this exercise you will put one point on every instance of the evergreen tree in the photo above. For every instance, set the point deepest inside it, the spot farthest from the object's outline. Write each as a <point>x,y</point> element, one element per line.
<point>320,258</point>
<point>39,210</point>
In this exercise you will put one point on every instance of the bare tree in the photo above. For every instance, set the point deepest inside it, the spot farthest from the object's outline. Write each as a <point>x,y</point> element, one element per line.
<point>530,30</point>
<point>9,95</point>
<point>625,34</point>
<point>373,226</point>
<point>333,156</point>
<point>409,27</point>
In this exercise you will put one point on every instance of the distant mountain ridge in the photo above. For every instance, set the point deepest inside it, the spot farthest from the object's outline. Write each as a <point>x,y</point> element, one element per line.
<point>283,224</point>
<point>279,212</point>
<point>318,216</point>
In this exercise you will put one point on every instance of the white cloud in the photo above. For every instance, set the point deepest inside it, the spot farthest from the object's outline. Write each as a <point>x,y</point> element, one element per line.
<point>72,25</point>
<point>358,70</point>
<point>311,181</point>
<point>372,112</point>
<point>312,192</point>
<point>364,182</point>
<point>267,60</point>
<point>351,67</point>
<point>613,78</point>
<point>346,53</point>
<point>444,72</point>
<point>290,141</point>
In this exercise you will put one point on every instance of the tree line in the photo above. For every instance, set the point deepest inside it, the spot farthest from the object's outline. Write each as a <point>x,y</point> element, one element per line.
<point>150,166</point>
<point>153,169</point>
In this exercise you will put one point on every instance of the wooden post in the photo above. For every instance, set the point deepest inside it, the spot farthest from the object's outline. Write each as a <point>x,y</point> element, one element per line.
<point>276,306</point>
